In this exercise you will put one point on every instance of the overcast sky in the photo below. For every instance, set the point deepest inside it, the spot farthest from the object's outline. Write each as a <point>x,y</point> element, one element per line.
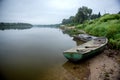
<point>50,11</point>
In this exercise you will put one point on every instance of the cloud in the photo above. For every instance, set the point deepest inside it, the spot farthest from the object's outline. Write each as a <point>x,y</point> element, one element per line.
<point>63,4</point>
<point>50,11</point>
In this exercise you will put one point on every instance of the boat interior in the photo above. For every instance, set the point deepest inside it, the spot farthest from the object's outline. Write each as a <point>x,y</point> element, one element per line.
<point>90,45</point>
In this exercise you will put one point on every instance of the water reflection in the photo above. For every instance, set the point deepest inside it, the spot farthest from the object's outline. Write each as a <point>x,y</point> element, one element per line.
<point>36,54</point>
<point>67,71</point>
<point>79,71</point>
<point>30,53</point>
<point>78,42</point>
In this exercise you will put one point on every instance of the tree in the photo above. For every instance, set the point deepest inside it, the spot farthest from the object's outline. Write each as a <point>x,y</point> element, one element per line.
<point>83,14</point>
<point>94,16</point>
<point>65,21</point>
<point>99,15</point>
<point>71,20</point>
<point>119,12</point>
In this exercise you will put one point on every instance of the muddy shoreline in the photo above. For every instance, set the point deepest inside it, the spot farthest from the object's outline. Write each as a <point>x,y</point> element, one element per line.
<point>105,66</point>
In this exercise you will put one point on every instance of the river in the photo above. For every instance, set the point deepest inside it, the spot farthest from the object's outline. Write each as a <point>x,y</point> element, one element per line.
<point>36,54</point>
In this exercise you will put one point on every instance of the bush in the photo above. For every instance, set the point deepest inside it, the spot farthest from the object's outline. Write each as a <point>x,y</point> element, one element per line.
<point>109,17</point>
<point>80,26</point>
<point>108,26</point>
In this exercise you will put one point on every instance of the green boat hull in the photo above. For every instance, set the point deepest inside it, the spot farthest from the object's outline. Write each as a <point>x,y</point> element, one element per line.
<point>74,57</point>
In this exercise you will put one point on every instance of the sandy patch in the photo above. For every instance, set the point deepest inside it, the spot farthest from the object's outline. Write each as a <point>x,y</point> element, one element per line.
<point>103,67</point>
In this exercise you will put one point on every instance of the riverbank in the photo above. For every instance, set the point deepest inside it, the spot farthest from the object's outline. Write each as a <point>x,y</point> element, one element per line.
<point>100,67</point>
<point>106,65</point>
<point>107,25</point>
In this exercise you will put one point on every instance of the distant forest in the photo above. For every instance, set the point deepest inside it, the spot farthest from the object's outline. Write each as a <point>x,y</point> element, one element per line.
<point>84,13</point>
<point>50,25</point>
<point>4,26</point>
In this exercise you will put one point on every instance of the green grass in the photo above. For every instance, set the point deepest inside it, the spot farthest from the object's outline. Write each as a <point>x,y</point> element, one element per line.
<point>72,32</point>
<point>108,26</point>
<point>108,17</point>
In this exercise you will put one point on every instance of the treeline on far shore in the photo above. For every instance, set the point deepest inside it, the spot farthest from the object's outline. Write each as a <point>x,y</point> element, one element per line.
<point>4,26</point>
<point>49,25</point>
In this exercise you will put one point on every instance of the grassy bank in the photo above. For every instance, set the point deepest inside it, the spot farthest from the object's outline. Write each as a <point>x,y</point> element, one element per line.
<point>107,25</point>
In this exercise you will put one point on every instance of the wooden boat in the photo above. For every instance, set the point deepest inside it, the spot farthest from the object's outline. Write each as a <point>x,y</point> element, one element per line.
<point>86,50</point>
<point>84,37</point>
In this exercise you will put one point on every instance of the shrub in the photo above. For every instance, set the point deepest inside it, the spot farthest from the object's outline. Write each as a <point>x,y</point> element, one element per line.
<point>109,17</point>
<point>108,26</point>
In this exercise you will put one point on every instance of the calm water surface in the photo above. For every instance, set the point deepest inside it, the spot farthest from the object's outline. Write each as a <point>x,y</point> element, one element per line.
<point>36,54</point>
